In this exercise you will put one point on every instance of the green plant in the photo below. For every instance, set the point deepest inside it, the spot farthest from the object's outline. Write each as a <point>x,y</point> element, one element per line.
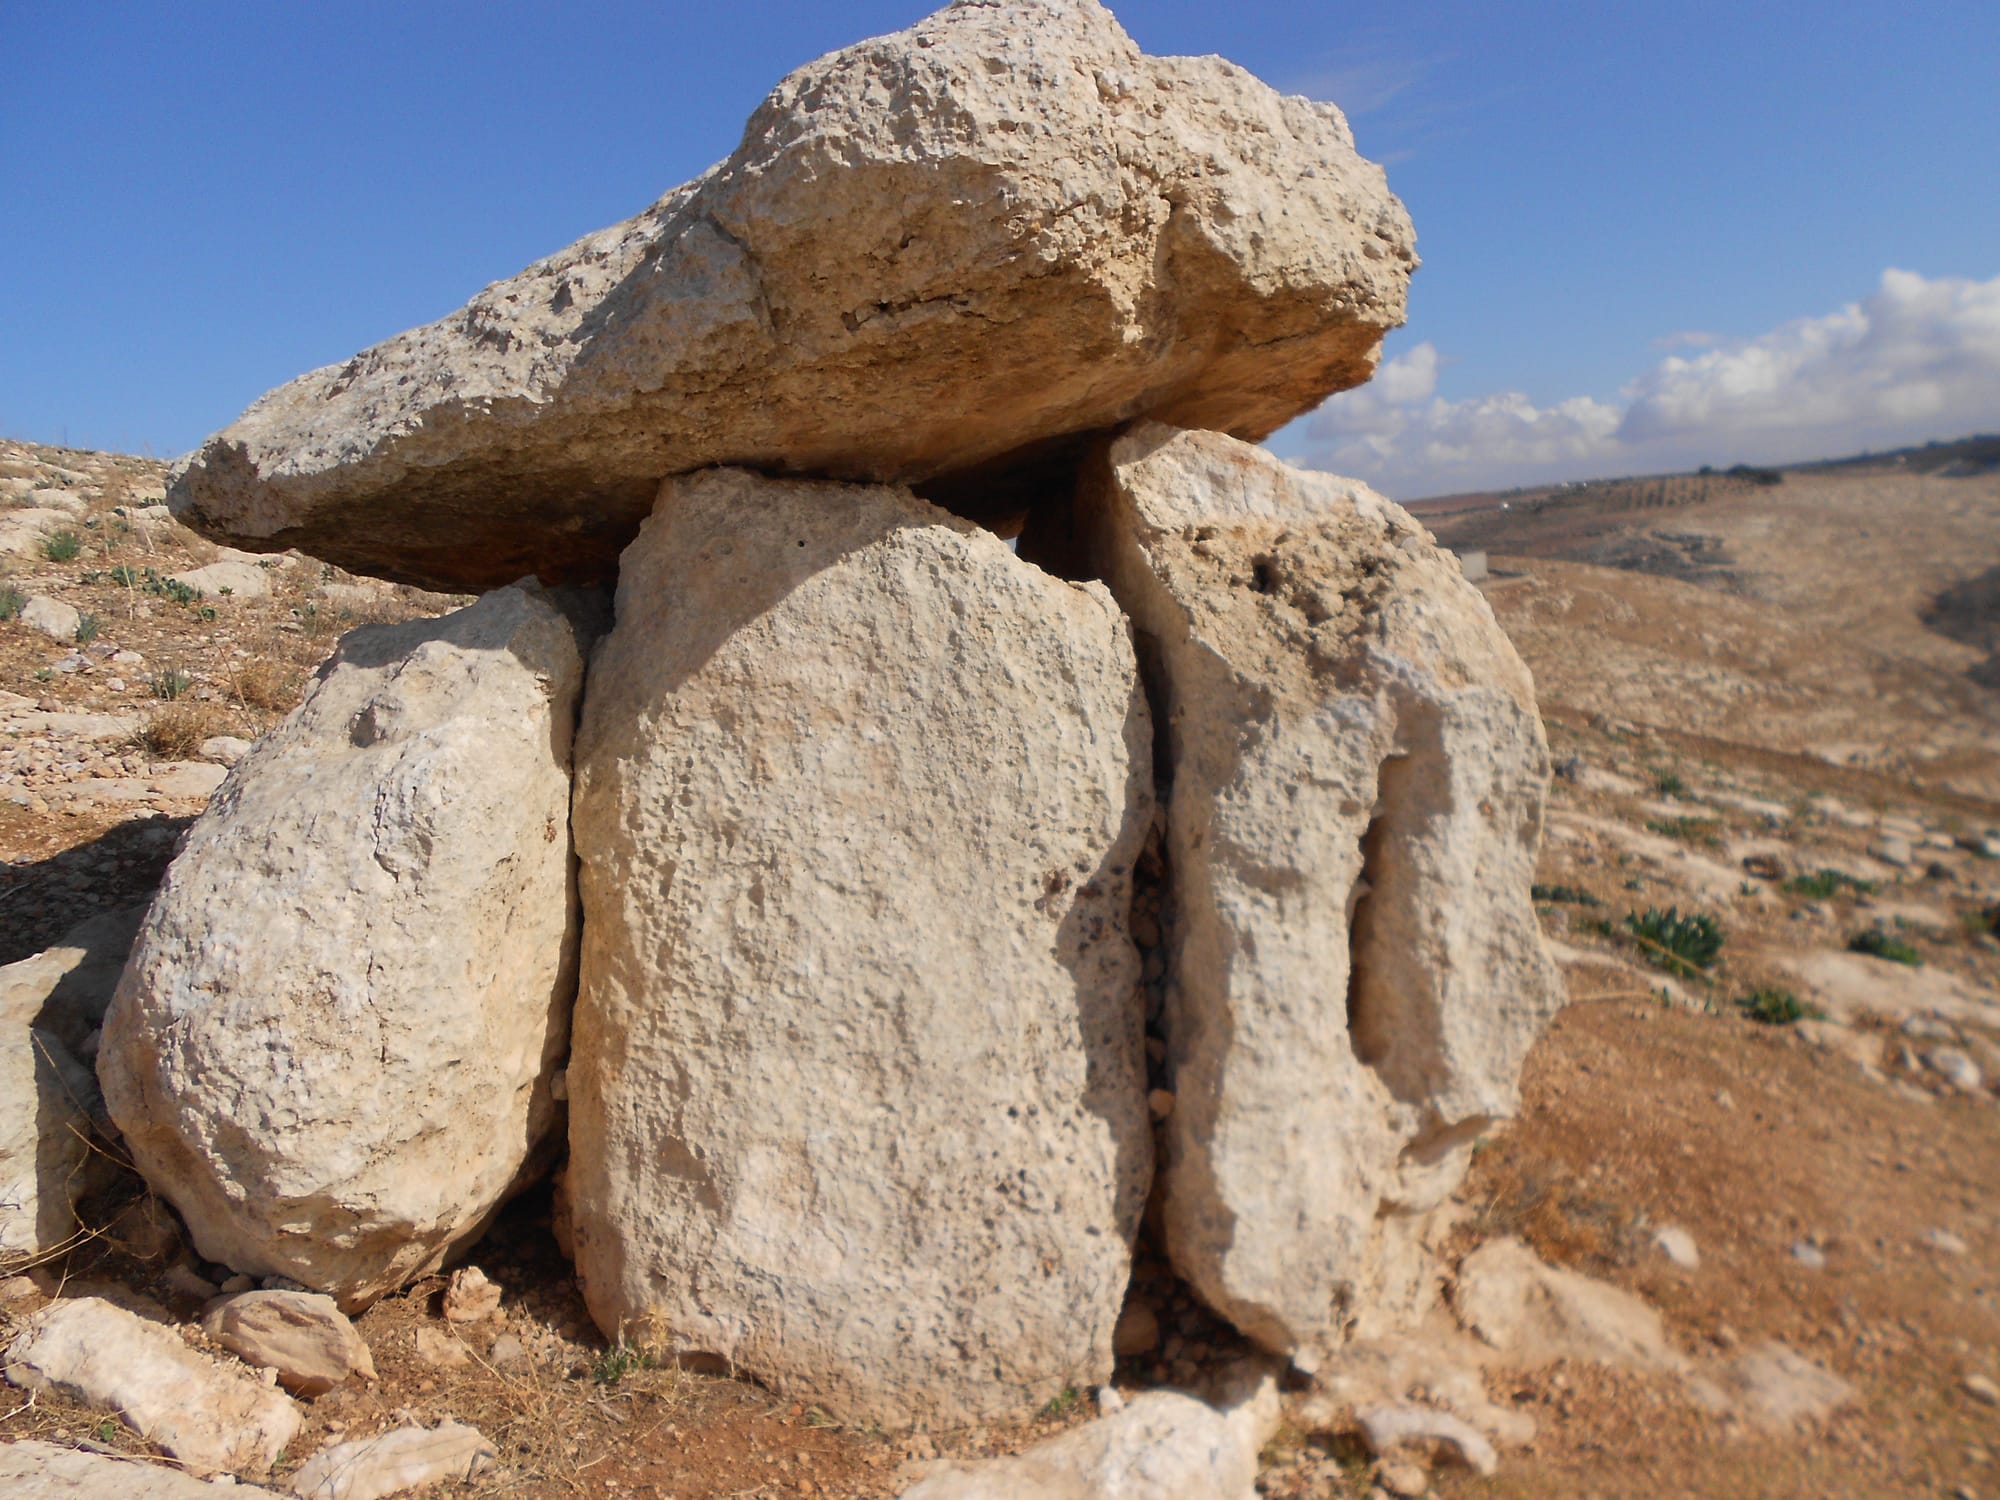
<point>1063,1402</point>
<point>1599,925</point>
<point>12,602</point>
<point>106,1431</point>
<point>170,684</point>
<point>1773,1007</point>
<point>1690,830</point>
<point>1669,784</point>
<point>1876,943</point>
<point>87,627</point>
<point>1977,924</point>
<point>616,1362</point>
<point>1684,945</point>
<point>62,546</point>
<point>1824,885</point>
<point>1567,894</point>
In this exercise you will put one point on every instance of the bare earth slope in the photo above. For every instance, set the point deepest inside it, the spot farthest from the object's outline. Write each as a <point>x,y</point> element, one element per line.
<point>1721,746</point>
<point>1840,614</point>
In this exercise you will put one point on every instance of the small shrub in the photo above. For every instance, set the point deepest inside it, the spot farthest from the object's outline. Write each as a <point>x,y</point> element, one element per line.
<point>1876,943</point>
<point>1567,894</point>
<point>63,546</point>
<point>1669,784</point>
<point>149,581</point>
<point>170,685</point>
<point>87,627</point>
<point>12,602</point>
<point>177,733</point>
<point>1772,1007</point>
<point>1684,945</point>
<point>1601,926</point>
<point>1688,830</point>
<point>1824,885</point>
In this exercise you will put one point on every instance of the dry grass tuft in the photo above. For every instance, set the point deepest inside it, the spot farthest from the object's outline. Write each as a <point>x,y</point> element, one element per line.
<point>1544,1203</point>
<point>267,684</point>
<point>177,731</point>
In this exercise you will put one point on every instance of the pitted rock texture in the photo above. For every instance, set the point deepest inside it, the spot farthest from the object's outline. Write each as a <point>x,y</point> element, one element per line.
<point>1356,973</point>
<point>943,255</point>
<point>333,1047</point>
<point>857,1089</point>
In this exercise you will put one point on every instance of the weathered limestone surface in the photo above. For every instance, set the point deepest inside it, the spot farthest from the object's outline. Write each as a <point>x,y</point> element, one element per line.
<point>934,256</point>
<point>213,1417</point>
<point>43,1471</point>
<point>857,1091</point>
<point>1536,1314</point>
<point>50,1006</point>
<point>1357,782</point>
<point>1161,1445</point>
<point>405,1458</point>
<point>333,1047</point>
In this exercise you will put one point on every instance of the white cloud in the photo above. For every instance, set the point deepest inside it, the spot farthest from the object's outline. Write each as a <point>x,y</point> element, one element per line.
<point>1917,359</point>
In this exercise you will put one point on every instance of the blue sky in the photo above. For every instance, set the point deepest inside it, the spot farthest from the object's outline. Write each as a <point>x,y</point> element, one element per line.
<point>1653,235</point>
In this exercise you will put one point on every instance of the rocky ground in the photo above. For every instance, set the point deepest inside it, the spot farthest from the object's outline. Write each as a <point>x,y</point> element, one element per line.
<point>1818,1122</point>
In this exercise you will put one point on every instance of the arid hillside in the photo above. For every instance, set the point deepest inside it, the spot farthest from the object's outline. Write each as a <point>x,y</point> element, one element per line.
<point>1845,613</point>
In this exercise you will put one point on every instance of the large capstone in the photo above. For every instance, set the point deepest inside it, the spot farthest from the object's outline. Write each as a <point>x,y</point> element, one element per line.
<point>945,255</point>
<point>857,1093</point>
<point>1355,971</point>
<point>333,1048</point>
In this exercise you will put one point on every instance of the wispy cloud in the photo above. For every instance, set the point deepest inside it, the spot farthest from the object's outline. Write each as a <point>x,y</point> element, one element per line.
<point>1918,358</point>
<point>1400,98</point>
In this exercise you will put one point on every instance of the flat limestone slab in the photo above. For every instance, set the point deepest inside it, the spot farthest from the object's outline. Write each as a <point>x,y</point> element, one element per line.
<point>857,1085</point>
<point>42,1471</point>
<point>945,255</point>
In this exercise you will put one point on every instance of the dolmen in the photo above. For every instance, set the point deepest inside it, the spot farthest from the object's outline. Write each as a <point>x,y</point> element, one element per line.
<point>921,799</point>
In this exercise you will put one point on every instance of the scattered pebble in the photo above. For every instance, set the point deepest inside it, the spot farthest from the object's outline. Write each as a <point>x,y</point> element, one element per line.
<point>1809,1255</point>
<point>1982,1390</point>
<point>1678,1246</point>
<point>1404,1480</point>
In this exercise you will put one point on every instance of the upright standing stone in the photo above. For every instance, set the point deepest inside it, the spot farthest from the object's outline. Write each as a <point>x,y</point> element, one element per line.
<point>1355,968</point>
<point>333,1048</point>
<point>857,1087</point>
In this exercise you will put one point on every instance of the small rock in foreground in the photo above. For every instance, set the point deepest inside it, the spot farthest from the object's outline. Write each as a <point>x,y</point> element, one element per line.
<point>405,1459</point>
<point>302,1335</point>
<point>1158,1446</point>
<point>1387,1429</point>
<point>212,1417</point>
